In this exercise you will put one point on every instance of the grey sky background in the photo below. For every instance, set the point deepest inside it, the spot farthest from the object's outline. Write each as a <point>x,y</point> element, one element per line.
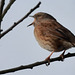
<point>19,46</point>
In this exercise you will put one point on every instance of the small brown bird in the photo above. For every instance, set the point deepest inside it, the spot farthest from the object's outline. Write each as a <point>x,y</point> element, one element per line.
<point>51,35</point>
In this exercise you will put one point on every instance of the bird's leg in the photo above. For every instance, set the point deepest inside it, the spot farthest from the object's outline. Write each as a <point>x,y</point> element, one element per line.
<point>48,58</point>
<point>62,55</point>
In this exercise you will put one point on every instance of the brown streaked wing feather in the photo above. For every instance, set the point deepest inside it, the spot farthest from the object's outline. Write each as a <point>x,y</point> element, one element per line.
<point>60,31</point>
<point>65,32</point>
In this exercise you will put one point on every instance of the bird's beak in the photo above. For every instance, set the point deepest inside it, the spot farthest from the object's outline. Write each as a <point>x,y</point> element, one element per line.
<point>30,24</point>
<point>31,16</point>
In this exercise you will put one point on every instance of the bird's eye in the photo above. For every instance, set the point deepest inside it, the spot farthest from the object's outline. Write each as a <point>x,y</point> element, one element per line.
<point>38,15</point>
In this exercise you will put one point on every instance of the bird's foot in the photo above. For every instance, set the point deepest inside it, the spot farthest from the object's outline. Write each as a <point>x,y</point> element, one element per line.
<point>47,59</point>
<point>62,56</point>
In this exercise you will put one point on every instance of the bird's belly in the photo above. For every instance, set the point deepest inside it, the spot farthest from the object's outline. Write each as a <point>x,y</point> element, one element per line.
<point>50,47</point>
<point>44,43</point>
<point>46,46</point>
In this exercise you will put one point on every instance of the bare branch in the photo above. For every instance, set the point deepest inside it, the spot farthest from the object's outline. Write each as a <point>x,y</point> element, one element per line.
<point>30,66</point>
<point>7,7</point>
<point>16,23</point>
<point>1,10</point>
<point>1,6</point>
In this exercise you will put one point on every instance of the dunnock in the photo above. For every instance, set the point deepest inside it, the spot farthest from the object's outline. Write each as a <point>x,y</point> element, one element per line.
<point>51,35</point>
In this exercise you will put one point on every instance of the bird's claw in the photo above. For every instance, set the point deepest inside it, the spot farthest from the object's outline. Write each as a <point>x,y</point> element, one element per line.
<point>48,60</point>
<point>62,55</point>
<point>47,64</point>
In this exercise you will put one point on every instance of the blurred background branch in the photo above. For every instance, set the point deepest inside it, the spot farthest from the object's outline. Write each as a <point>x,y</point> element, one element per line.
<point>7,7</point>
<point>3,12</point>
<point>2,2</point>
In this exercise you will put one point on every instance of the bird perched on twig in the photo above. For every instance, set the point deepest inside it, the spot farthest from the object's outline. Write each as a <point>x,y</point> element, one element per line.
<point>51,35</point>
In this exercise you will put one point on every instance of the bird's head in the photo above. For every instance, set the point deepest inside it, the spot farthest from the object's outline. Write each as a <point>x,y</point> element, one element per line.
<point>41,16</point>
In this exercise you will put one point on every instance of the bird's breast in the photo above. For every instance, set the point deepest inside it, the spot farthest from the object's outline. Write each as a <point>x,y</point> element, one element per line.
<point>43,41</point>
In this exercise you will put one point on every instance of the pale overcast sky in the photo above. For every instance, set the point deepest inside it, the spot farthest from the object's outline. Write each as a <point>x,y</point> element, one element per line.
<point>19,46</point>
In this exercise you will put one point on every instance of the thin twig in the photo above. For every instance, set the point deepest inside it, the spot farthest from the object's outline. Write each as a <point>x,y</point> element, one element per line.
<point>7,7</point>
<point>1,10</point>
<point>19,21</point>
<point>1,7</point>
<point>30,66</point>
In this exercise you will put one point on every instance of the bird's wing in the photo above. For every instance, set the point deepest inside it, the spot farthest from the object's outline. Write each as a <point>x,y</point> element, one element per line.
<point>60,31</point>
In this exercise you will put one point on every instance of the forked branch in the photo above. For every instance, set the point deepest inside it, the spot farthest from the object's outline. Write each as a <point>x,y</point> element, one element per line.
<point>19,21</point>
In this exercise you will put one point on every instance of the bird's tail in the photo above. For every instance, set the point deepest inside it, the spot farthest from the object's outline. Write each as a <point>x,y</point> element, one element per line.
<point>73,44</point>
